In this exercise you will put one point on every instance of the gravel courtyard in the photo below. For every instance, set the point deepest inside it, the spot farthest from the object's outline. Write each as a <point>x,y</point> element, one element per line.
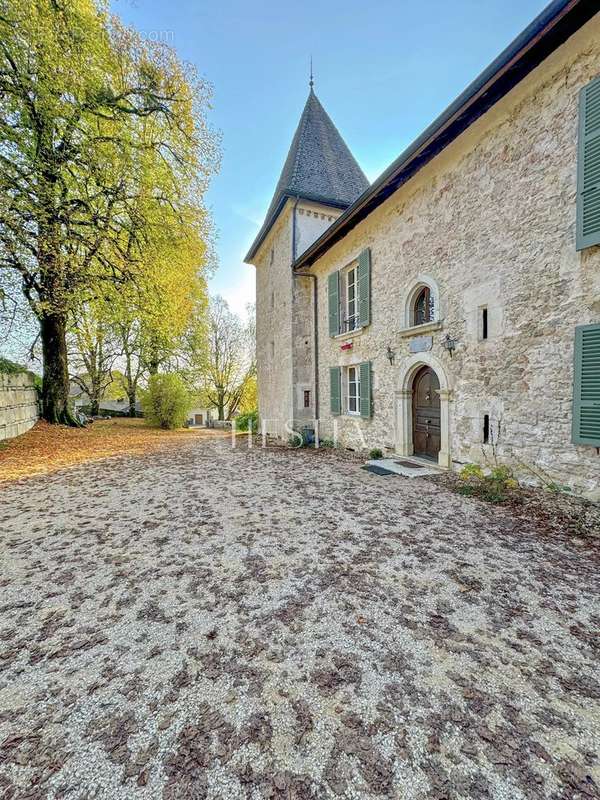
<point>198,622</point>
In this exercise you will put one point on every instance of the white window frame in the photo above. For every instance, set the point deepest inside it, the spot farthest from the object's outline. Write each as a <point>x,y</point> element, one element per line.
<point>356,384</point>
<point>349,306</point>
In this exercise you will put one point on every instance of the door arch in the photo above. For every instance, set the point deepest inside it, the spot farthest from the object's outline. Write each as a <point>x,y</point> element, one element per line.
<point>404,406</point>
<point>426,414</point>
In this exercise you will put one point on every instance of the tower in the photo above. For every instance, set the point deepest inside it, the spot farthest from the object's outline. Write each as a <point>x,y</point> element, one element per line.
<point>320,178</point>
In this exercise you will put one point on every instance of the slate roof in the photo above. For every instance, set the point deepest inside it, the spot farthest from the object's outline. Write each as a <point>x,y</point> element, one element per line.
<point>319,166</point>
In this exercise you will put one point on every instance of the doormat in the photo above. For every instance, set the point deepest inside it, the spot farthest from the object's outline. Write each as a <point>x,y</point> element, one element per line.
<point>410,465</point>
<point>377,470</point>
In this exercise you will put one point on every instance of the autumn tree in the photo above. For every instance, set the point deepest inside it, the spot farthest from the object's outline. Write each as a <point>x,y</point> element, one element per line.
<point>229,360</point>
<point>101,133</point>
<point>94,348</point>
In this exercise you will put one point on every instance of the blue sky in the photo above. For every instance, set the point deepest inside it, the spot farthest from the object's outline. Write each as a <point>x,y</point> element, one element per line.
<point>383,71</point>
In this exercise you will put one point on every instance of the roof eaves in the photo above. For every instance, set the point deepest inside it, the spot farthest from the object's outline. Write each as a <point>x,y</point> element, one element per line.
<point>461,113</point>
<point>272,218</point>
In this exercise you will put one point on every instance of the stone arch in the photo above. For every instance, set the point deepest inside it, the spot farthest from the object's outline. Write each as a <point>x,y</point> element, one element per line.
<point>422,281</point>
<point>404,392</point>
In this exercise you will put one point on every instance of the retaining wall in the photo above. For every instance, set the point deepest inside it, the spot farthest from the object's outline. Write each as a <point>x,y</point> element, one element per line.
<point>19,407</point>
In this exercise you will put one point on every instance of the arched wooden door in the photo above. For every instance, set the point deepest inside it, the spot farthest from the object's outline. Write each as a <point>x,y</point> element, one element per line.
<point>426,414</point>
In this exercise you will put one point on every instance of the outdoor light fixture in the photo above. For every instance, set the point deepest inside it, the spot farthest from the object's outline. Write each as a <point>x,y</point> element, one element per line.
<point>391,354</point>
<point>449,344</point>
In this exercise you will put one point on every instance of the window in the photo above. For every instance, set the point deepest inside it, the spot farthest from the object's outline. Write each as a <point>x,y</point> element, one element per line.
<point>272,298</point>
<point>272,255</point>
<point>306,398</point>
<point>272,349</point>
<point>350,390</point>
<point>588,174</point>
<point>423,307</point>
<point>349,296</point>
<point>353,390</point>
<point>586,387</point>
<point>422,304</point>
<point>483,323</point>
<point>486,428</point>
<point>349,299</point>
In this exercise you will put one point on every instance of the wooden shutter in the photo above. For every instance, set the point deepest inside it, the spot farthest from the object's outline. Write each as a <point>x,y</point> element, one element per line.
<point>588,167</point>
<point>335,390</point>
<point>333,293</point>
<point>365,389</point>
<point>364,288</point>
<point>586,386</point>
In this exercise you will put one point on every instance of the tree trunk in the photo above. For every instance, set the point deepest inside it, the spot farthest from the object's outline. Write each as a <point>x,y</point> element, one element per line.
<point>221,407</point>
<point>132,409</point>
<point>55,388</point>
<point>94,407</point>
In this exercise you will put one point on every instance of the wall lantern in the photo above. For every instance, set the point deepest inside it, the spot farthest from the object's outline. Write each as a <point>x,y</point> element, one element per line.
<point>449,344</point>
<point>391,355</point>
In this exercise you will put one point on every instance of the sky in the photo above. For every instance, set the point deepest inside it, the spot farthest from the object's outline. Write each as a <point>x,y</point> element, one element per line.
<point>383,71</point>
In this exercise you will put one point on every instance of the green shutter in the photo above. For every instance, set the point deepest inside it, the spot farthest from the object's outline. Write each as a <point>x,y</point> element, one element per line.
<point>586,386</point>
<point>588,167</point>
<point>365,389</point>
<point>364,288</point>
<point>335,390</point>
<point>333,291</point>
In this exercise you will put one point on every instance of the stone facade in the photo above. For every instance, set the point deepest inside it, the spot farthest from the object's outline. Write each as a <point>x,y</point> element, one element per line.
<point>489,222</point>
<point>19,407</point>
<point>285,318</point>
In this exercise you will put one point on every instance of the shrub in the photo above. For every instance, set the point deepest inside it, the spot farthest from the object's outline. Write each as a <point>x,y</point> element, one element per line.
<point>471,472</point>
<point>9,367</point>
<point>246,421</point>
<point>375,454</point>
<point>327,443</point>
<point>492,487</point>
<point>166,401</point>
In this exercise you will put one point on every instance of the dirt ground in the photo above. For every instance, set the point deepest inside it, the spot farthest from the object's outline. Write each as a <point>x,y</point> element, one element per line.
<point>197,621</point>
<point>46,448</point>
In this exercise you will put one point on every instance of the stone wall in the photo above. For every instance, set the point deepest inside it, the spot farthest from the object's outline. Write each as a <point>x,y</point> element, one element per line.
<point>19,408</point>
<point>490,221</point>
<point>274,324</point>
<point>284,318</point>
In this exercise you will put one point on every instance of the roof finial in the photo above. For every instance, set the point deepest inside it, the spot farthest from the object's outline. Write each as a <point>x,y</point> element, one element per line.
<point>311,83</point>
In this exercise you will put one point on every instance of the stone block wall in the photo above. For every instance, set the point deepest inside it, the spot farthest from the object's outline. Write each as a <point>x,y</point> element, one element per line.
<point>19,407</point>
<point>491,222</point>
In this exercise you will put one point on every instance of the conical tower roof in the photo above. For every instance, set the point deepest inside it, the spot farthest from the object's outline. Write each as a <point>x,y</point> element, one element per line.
<point>319,166</point>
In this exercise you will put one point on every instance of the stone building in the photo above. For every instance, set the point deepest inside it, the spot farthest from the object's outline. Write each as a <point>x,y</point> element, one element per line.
<point>451,310</point>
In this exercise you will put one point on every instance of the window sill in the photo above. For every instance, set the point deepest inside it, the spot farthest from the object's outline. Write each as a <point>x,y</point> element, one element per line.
<point>348,334</point>
<point>416,330</point>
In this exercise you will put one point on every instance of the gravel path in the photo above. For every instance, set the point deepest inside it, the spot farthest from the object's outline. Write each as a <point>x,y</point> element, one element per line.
<point>206,623</point>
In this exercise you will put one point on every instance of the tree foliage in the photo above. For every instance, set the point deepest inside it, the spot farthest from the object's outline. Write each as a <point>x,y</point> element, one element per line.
<point>166,401</point>
<point>94,348</point>
<point>105,154</point>
<point>227,365</point>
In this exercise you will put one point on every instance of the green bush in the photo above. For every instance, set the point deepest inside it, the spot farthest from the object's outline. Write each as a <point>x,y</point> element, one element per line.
<point>166,401</point>
<point>493,487</point>
<point>246,421</point>
<point>326,443</point>
<point>8,367</point>
<point>375,454</point>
